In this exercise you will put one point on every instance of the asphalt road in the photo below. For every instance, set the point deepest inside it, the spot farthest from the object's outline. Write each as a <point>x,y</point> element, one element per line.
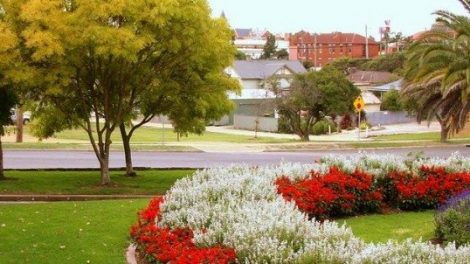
<point>21,159</point>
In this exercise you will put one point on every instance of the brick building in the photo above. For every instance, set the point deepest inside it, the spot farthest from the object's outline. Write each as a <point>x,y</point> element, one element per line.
<point>320,49</point>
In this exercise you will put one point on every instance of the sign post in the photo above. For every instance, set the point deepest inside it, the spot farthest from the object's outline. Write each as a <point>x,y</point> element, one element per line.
<point>359,106</point>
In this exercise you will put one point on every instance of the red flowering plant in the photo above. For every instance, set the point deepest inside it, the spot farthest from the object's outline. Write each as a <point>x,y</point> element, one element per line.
<point>335,193</point>
<point>431,187</point>
<point>164,245</point>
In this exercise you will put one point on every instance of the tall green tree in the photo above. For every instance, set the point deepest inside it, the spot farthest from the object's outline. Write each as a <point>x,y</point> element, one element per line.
<point>98,59</point>
<point>437,73</point>
<point>8,100</point>
<point>312,96</point>
<point>269,49</point>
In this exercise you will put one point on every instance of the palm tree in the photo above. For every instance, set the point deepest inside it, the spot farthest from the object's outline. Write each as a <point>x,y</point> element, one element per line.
<point>437,73</point>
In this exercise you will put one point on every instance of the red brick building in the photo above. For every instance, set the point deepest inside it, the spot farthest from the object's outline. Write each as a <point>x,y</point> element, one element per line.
<point>320,49</point>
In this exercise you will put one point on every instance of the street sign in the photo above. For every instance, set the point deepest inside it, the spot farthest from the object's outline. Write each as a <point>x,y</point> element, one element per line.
<point>359,104</point>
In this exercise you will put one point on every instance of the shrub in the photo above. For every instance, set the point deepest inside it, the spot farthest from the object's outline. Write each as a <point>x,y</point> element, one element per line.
<point>453,219</point>
<point>425,190</point>
<point>323,126</point>
<point>335,193</point>
<point>346,122</point>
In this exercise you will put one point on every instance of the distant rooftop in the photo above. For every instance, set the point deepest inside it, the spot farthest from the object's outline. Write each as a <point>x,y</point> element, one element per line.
<point>371,77</point>
<point>262,69</point>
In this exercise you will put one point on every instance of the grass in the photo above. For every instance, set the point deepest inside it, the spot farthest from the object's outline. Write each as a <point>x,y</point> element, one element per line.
<point>428,136</point>
<point>381,228</point>
<point>87,146</point>
<point>148,182</point>
<point>159,135</point>
<point>66,232</point>
<point>97,232</point>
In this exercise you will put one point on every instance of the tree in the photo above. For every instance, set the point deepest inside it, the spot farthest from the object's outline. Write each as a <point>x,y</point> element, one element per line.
<point>102,67</point>
<point>7,102</point>
<point>8,98</point>
<point>391,101</point>
<point>437,73</point>
<point>269,49</point>
<point>312,96</point>
<point>282,54</point>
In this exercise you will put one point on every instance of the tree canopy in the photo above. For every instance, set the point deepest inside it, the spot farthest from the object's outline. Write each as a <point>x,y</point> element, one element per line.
<point>107,60</point>
<point>438,72</point>
<point>269,49</point>
<point>312,96</point>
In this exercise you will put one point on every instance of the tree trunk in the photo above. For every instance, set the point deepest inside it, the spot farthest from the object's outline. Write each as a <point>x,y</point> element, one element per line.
<point>104,169</point>
<point>444,134</point>
<point>19,125</point>
<point>127,151</point>
<point>2,175</point>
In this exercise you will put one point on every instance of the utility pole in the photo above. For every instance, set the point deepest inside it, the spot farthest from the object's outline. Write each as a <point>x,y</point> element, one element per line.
<point>367,44</point>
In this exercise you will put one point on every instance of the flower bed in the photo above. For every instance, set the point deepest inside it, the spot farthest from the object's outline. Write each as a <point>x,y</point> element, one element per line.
<point>219,215</point>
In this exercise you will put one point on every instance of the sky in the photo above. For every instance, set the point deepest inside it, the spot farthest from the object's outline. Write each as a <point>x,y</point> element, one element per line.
<point>407,16</point>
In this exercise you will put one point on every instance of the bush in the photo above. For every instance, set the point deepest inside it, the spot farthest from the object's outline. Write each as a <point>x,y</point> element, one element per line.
<point>283,126</point>
<point>391,101</point>
<point>346,122</point>
<point>323,126</point>
<point>335,193</point>
<point>453,219</point>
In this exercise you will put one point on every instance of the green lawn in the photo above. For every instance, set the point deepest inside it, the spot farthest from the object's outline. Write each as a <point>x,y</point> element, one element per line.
<point>66,232</point>
<point>97,232</point>
<point>428,136</point>
<point>159,135</point>
<point>150,182</point>
<point>380,228</point>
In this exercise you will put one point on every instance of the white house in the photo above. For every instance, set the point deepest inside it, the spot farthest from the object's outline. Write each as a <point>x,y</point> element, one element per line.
<point>254,99</point>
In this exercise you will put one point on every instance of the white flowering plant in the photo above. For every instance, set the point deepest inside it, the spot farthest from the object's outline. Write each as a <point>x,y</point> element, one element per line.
<point>240,207</point>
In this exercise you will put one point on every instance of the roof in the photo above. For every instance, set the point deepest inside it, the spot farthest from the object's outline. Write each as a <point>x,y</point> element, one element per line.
<point>370,98</point>
<point>371,77</point>
<point>243,32</point>
<point>396,85</point>
<point>262,69</point>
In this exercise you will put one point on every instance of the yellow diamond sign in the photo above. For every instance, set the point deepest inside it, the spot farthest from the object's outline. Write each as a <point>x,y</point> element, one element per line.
<point>359,104</point>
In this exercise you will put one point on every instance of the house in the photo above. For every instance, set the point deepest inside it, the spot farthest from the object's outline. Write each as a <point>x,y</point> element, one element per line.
<point>253,105</point>
<point>321,49</point>
<point>251,42</point>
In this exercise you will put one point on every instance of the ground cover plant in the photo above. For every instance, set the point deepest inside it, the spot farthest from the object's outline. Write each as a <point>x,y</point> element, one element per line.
<point>241,208</point>
<point>149,182</point>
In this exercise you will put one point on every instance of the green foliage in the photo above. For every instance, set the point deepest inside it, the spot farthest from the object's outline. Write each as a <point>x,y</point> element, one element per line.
<point>113,58</point>
<point>393,62</point>
<point>8,100</point>
<point>323,127</point>
<point>452,224</point>
<point>240,55</point>
<point>282,54</point>
<point>391,101</point>
<point>269,49</point>
<point>437,73</point>
<point>312,96</point>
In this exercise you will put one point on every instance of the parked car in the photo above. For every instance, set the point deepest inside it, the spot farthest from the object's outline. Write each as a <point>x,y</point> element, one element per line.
<point>26,117</point>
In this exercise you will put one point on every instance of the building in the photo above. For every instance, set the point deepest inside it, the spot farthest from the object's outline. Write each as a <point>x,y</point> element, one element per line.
<point>321,49</point>
<point>251,42</point>
<point>253,105</point>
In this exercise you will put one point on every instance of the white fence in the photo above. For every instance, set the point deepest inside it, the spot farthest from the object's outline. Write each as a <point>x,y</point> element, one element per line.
<point>268,124</point>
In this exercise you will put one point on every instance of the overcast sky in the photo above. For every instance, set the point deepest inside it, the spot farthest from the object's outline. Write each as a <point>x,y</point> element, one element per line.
<point>407,16</point>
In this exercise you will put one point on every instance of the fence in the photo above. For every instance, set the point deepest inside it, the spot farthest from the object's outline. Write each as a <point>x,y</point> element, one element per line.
<point>269,124</point>
<point>388,118</point>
